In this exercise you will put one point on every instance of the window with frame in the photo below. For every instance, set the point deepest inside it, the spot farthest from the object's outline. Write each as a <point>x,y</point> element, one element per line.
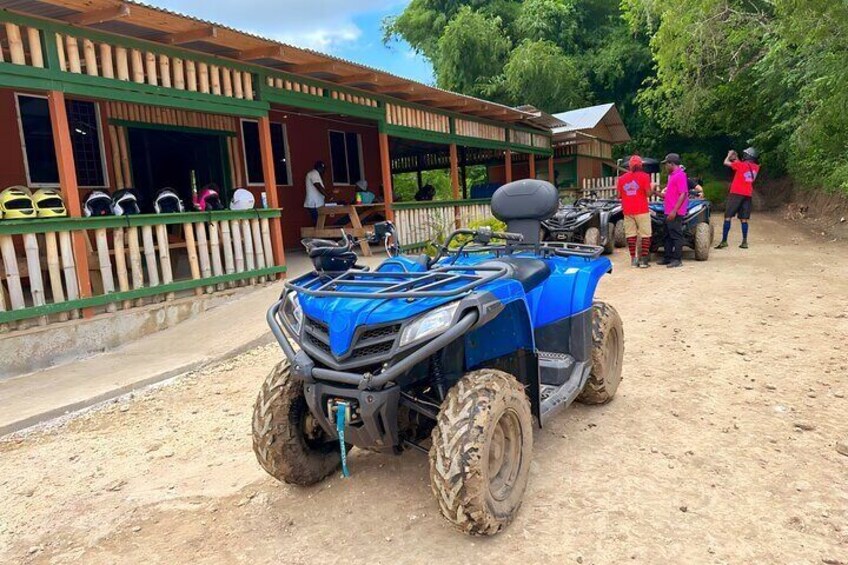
<point>253,153</point>
<point>39,152</point>
<point>346,157</point>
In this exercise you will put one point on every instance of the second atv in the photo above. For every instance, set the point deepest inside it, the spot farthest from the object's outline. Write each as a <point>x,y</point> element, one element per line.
<point>456,356</point>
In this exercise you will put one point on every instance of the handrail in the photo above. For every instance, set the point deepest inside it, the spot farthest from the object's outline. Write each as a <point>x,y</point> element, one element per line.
<point>45,225</point>
<point>438,203</point>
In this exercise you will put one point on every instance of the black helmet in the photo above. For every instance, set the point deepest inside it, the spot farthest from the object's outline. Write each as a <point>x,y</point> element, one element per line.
<point>125,202</point>
<point>167,202</point>
<point>750,154</point>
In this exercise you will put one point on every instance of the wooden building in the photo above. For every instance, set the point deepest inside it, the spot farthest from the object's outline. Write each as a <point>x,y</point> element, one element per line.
<point>109,94</point>
<point>583,142</point>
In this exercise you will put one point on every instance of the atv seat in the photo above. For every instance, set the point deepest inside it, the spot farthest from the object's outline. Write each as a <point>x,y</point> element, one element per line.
<point>526,270</point>
<point>523,205</point>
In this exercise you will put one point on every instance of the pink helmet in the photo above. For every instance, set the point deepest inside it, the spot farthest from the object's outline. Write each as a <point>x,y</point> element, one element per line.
<point>208,199</point>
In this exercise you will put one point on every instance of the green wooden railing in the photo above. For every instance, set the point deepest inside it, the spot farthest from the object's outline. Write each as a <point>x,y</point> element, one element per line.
<point>129,259</point>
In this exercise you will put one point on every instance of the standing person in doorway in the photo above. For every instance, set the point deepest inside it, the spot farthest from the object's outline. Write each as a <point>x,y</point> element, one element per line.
<point>676,203</point>
<point>316,194</point>
<point>634,189</point>
<point>741,190</point>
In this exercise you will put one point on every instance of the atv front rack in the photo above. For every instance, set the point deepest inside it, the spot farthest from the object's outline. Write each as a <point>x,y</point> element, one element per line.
<point>439,282</point>
<point>544,250</point>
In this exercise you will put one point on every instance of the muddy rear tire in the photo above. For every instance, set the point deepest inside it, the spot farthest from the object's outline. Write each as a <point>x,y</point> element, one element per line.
<point>607,355</point>
<point>289,444</point>
<point>609,246</point>
<point>592,237</point>
<point>481,452</point>
<point>703,241</point>
<point>620,236</point>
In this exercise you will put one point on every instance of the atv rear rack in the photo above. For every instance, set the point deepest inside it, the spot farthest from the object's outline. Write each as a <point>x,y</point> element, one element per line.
<point>434,283</point>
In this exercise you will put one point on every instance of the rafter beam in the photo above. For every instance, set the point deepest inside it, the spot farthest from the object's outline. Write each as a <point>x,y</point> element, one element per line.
<point>460,105</point>
<point>358,78</point>
<point>395,88</point>
<point>267,52</point>
<point>205,32</point>
<point>331,67</point>
<point>99,16</point>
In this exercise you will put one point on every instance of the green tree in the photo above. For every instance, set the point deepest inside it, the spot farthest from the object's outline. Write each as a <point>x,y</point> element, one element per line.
<point>539,73</point>
<point>471,52</point>
<point>548,20</point>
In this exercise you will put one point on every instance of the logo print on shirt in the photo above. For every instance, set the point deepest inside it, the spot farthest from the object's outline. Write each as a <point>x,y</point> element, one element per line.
<point>631,188</point>
<point>750,176</point>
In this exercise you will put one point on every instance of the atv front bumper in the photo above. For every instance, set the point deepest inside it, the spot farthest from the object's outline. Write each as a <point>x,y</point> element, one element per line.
<point>303,366</point>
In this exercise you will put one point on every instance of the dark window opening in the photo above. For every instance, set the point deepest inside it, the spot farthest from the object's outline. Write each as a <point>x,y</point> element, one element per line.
<point>253,153</point>
<point>345,151</point>
<point>40,153</point>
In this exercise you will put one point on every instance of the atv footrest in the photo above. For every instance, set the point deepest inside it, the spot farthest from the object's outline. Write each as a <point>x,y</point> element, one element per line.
<point>552,397</point>
<point>555,368</point>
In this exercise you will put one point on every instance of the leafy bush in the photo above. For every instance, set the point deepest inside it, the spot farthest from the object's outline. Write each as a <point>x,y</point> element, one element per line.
<point>715,191</point>
<point>443,231</point>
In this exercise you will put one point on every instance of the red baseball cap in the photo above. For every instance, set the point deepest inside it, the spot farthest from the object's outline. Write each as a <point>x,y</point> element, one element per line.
<point>635,161</point>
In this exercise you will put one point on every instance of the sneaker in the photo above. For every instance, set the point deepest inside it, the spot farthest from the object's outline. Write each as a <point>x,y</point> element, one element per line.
<point>744,245</point>
<point>634,262</point>
<point>721,245</point>
<point>674,264</point>
<point>644,263</point>
<point>663,262</point>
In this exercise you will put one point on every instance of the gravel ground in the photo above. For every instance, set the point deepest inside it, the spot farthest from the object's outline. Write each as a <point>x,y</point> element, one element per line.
<point>727,443</point>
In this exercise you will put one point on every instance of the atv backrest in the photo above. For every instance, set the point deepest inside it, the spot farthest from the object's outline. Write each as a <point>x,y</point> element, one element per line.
<point>524,204</point>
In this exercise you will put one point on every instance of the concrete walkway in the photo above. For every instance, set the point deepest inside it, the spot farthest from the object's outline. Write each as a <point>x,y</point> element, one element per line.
<point>217,334</point>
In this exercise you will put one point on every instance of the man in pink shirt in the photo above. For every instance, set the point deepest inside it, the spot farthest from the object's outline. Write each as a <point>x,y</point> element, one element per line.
<point>676,204</point>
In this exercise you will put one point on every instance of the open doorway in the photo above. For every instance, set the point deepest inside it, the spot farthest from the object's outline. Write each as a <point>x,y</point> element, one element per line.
<point>166,158</point>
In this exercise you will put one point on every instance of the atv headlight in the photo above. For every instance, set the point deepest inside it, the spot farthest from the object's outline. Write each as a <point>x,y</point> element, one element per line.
<point>430,324</point>
<point>293,313</point>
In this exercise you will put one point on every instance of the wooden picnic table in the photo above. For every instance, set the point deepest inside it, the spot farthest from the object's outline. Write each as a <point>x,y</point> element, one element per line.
<point>357,213</point>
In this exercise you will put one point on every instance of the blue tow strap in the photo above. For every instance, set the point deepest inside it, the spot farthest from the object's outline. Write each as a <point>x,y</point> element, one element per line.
<point>341,418</point>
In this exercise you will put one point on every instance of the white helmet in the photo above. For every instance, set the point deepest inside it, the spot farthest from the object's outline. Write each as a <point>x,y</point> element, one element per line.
<point>98,203</point>
<point>242,200</point>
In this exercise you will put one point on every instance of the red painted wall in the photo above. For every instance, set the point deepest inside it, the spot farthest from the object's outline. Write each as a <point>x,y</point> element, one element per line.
<point>309,141</point>
<point>12,169</point>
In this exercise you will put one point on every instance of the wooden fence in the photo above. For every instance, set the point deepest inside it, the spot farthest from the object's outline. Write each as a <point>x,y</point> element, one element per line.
<point>605,187</point>
<point>131,259</point>
<point>418,223</point>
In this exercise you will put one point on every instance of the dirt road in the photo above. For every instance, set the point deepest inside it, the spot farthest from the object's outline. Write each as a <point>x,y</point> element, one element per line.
<point>723,446</point>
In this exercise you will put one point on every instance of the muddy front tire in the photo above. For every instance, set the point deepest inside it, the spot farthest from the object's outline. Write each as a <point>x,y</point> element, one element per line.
<point>289,444</point>
<point>592,237</point>
<point>607,355</point>
<point>480,457</point>
<point>703,241</point>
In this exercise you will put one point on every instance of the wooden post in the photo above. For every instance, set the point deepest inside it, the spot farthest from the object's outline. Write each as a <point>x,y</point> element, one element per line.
<point>531,164</point>
<point>121,263</point>
<point>135,261</point>
<point>54,269</point>
<point>35,53</point>
<point>70,190</point>
<point>164,257</point>
<point>105,266</point>
<point>266,149</point>
<point>551,170</point>
<point>508,166</point>
<point>386,170</point>
<point>191,248</point>
<point>454,175</point>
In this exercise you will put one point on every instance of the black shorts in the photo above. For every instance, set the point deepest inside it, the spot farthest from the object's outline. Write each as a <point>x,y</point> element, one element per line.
<point>739,206</point>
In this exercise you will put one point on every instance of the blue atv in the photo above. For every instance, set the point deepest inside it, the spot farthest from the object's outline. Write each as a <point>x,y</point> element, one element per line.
<point>698,233</point>
<point>465,350</point>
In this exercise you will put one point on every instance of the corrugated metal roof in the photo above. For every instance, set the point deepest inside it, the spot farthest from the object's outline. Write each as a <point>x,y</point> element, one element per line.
<point>50,10</point>
<point>591,118</point>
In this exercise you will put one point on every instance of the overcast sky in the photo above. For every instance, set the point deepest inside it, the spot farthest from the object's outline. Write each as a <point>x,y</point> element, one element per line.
<point>345,28</point>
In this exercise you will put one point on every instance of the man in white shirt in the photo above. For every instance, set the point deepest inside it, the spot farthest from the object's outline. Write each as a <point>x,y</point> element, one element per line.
<point>316,194</point>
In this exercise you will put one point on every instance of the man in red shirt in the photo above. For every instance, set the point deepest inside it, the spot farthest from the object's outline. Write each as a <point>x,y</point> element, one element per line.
<point>739,200</point>
<point>634,188</point>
